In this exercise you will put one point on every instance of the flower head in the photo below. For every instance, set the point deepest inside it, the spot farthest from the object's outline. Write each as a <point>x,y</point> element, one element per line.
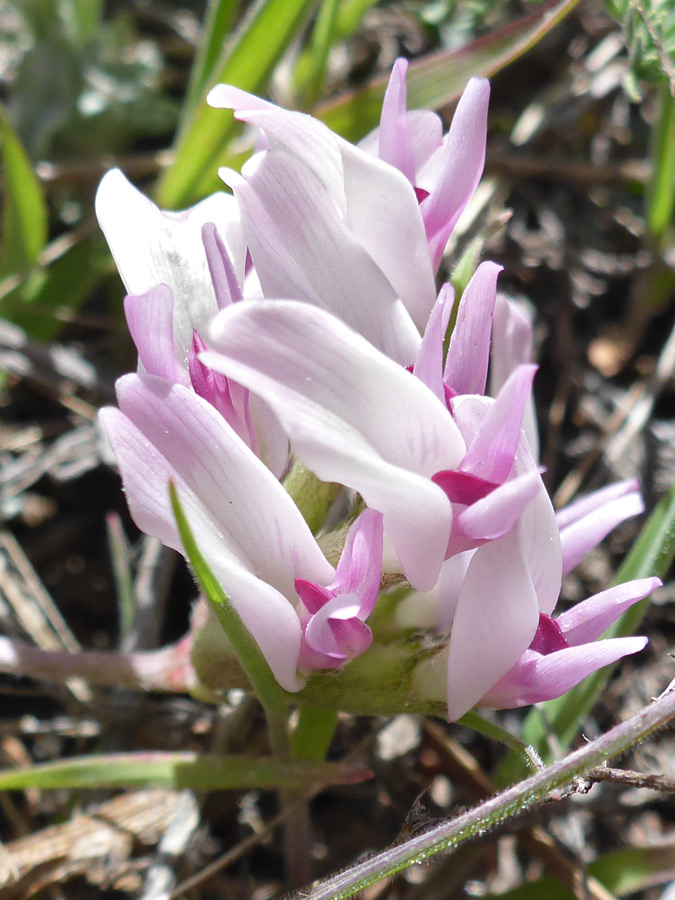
<point>302,313</point>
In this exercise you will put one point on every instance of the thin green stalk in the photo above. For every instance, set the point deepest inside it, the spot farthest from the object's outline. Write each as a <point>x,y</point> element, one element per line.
<point>449,835</point>
<point>312,736</point>
<point>271,695</point>
<point>120,553</point>
<point>311,65</point>
<point>218,22</point>
<point>661,189</point>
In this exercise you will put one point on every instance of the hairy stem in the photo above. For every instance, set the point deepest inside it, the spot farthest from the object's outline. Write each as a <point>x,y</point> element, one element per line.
<point>449,835</point>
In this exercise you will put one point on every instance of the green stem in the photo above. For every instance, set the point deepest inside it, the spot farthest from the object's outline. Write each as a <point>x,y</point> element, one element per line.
<point>313,734</point>
<point>449,835</point>
<point>661,191</point>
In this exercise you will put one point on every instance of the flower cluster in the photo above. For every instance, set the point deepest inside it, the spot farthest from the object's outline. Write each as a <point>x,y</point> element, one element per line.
<point>296,321</point>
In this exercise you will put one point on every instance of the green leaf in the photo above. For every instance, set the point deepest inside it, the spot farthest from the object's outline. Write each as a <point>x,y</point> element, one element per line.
<point>24,210</point>
<point>661,188</point>
<point>46,299</point>
<point>495,732</point>
<point>247,61</point>
<point>220,17</point>
<point>649,32</point>
<point>269,692</point>
<point>311,65</point>
<point>82,19</point>
<point>438,79</point>
<point>178,770</point>
<point>651,554</point>
<point>350,15</point>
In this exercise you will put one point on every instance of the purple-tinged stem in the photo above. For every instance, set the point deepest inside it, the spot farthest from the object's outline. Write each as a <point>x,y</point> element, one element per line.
<point>167,670</point>
<point>448,835</point>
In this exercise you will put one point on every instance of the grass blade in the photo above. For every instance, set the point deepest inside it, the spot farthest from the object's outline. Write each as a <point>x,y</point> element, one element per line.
<point>311,65</point>
<point>24,210</point>
<point>247,61</point>
<point>438,79</point>
<point>178,770</point>
<point>249,654</point>
<point>220,16</point>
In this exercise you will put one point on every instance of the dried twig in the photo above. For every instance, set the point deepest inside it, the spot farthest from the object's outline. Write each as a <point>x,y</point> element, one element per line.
<point>95,844</point>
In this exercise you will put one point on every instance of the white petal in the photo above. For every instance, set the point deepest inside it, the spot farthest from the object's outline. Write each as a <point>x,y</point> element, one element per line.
<point>248,507</point>
<point>151,247</point>
<point>266,612</point>
<point>303,250</point>
<point>384,216</point>
<point>495,621</point>
<point>353,416</point>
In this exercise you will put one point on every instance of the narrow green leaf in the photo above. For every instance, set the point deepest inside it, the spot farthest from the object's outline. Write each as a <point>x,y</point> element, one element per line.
<point>311,65</point>
<point>120,558</point>
<point>350,14</point>
<point>178,770</point>
<point>219,19</point>
<point>438,79</point>
<point>43,301</point>
<point>661,189</point>
<point>270,694</point>
<point>495,732</point>
<point>651,554</point>
<point>24,211</point>
<point>247,61</point>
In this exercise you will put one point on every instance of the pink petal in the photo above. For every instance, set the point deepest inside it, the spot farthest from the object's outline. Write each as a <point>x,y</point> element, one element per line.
<point>511,347</point>
<point>453,177</point>
<point>223,276</point>
<point>353,417</point>
<point>539,535</point>
<point>352,635</point>
<point>494,623</point>
<point>491,453</point>
<point>307,139</point>
<point>150,320</point>
<point>426,136</point>
<point>313,596</point>
<point>586,532</point>
<point>537,678</point>
<point>453,573</point>
<point>467,362</point>
<point>540,544</point>
<point>359,570</point>
<point>394,138</point>
<point>462,487</point>
<point>425,131</point>
<point>375,202</point>
<point>429,363</point>
<point>586,621</point>
<point>335,634</point>
<point>497,513</point>
<point>228,397</point>
<point>384,216</point>
<point>581,508</point>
